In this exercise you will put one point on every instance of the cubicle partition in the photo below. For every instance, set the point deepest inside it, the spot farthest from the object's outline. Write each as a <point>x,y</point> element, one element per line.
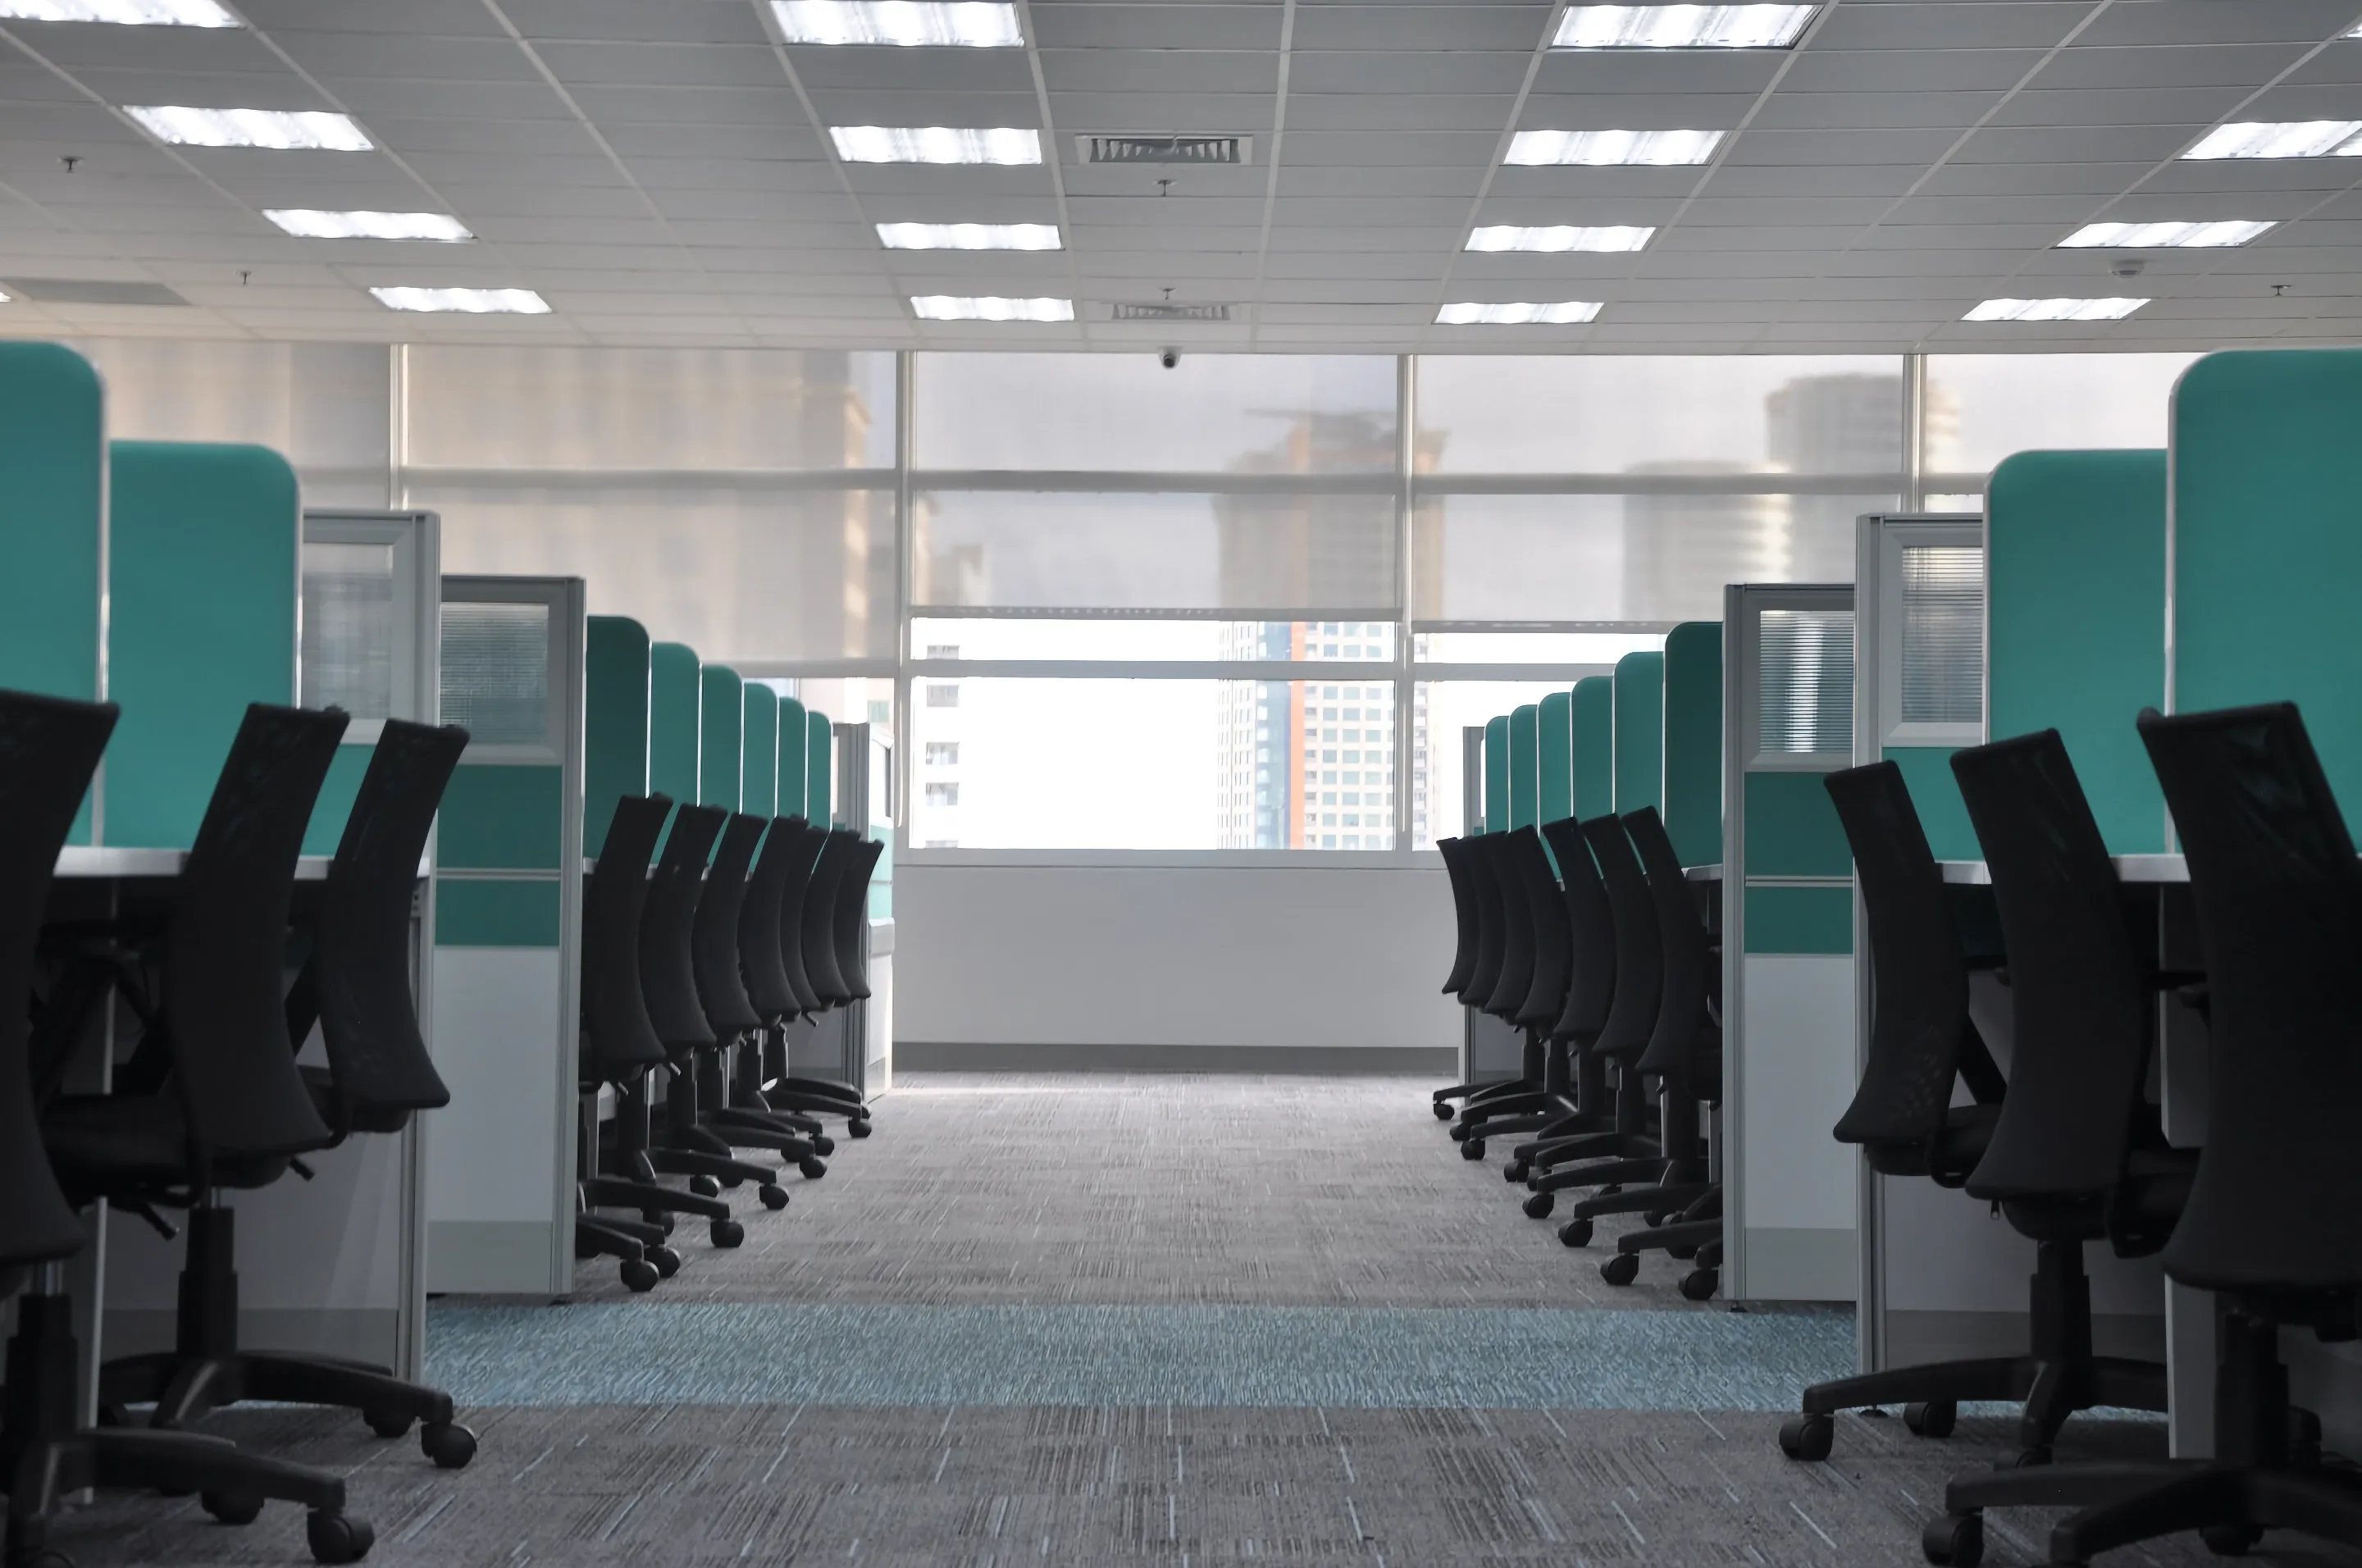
<point>1640,724</point>
<point>1491,1049</point>
<point>758,768</point>
<point>820,771</point>
<point>1496,773</point>
<point>1789,1199</point>
<point>1554,759</point>
<point>795,743</point>
<point>1919,683</point>
<point>507,944</point>
<point>369,645</point>
<point>1693,742</point>
<point>1525,764</point>
<point>1592,710</point>
<point>721,739</point>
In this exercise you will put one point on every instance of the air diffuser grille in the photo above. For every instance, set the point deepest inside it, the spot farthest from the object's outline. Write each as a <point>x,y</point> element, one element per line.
<point>1165,310</point>
<point>1126,148</point>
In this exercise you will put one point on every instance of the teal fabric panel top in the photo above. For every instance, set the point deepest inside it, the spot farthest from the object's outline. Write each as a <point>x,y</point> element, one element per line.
<point>675,696</point>
<point>758,777</point>
<point>614,722</point>
<point>1554,741</point>
<point>1524,728</point>
<point>2075,617</point>
<point>1640,731</point>
<point>1496,773</point>
<point>721,746</point>
<point>1595,746</point>
<point>2266,553</point>
<point>1928,773</point>
<point>52,517</point>
<point>202,577</point>
<point>795,740</point>
<point>820,770</point>
<point>1694,741</point>
<point>338,793</point>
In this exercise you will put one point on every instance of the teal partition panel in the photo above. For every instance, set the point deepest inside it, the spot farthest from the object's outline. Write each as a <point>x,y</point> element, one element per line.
<point>721,741</point>
<point>758,777</point>
<point>1692,790</point>
<point>1935,794</point>
<point>1496,773</point>
<point>202,584</point>
<point>1595,746</point>
<point>1640,731</point>
<point>2075,621</point>
<point>1525,724</point>
<point>614,722</point>
<point>820,769</point>
<point>2266,553</point>
<point>507,819</point>
<point>676,696</point>
<point>795,744</point>
<point>1555,742</point>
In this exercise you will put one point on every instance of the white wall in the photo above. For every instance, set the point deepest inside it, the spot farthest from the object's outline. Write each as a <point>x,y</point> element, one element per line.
<point>1173,954</point>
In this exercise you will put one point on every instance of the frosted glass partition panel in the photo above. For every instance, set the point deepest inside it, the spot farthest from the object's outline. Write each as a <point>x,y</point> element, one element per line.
<point>350,638</point>
<point>1244,414</point>
<point>1167,550</point>
<point>1605,413</point>
<point>1982,407</point>
<point>1943,604</point>
<point>496,669</point>
<point>1805,700</point>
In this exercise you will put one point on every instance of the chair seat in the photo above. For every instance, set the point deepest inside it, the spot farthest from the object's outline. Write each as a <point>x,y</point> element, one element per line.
<point>104,1145</point>
<point>1967,1130</point>
<point>321,1083</point>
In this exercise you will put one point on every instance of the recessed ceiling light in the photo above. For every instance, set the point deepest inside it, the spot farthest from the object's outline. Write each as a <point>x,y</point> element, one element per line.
<point>1510,237</point>
<point>961,24</point>
<point>474,302</point>
<point>311,224</point>
<point>2164,236</point>
<point>2054,310</point>
<point>1682,26</point>
<point>2281,138</point>
<point>936,144</point>
<point>251,127</point>
<point>969,235</point>
<point>1602,147</point>
<point>1559,314</point>
<point>956,307</point>
<point>125,13</point>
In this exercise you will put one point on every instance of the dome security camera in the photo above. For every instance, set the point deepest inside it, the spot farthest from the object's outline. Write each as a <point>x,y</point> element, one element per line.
<point>1168,357</point>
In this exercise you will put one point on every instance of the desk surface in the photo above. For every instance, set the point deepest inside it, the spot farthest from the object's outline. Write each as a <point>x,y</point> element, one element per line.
<point>98,863</point>
<point>2130,869</point>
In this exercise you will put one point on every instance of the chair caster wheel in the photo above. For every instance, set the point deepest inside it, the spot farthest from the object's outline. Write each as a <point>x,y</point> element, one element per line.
<point>774,1196</point>
<point>1954,1540</point>
<point>386,1423</point>
<point>639,1275</point>
<point>727,1232</point>
<point>232,1508</point>
<point>1654,1217</point>
<point>858,1129</point>
<point>1807,1437</point>
<point>1699,1284</point>
<point>338,1537</point>
<point>704,1187</point>
<point>667,1260</point>
<point>447,1443</point>
<point>1621,1269</point>
<point>1474,1149</point>
<point>1576,1233</point>
<point>813,1168</point>
<point>1516,1172</point>
<point>822,1143</point>
<point>2026,1459</point>
<point>1933,1419</point>
<point>1611,1189</point>
<point>2229,1540</point>
<point>1442,1108</point>
<point>1460,1130</point>
<point>1685,1254</point>
<point>1538,1207</point>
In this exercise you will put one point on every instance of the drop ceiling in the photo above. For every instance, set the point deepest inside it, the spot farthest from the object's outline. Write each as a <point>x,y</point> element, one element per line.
<point>659,171</point>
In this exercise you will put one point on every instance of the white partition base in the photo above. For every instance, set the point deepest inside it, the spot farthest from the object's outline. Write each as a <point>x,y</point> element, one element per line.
<point>493,1224</point>
<point>1797,1223</point>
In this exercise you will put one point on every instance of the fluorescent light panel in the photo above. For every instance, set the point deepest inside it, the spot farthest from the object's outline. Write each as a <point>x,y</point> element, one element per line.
<point>1599,148</point>
<point>936,144</point>
<point>2164,236</point>
<point>910,24</point>
<point>1561,237</point>
<point>122,13</point>
<point>472,302</point>
<point>1565,312</point>
<point>2054,310</point>
<point>1682,26</point>
<point>2281,138</point>
<point>969,235</point>
<point>957,307</point>
<point>185,127</point>
<point>309,222</point>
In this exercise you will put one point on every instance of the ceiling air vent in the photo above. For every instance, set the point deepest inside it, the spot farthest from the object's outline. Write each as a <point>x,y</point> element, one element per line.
<point>92,291</point>
<point>1165,310</point>
<point>1124,148</point>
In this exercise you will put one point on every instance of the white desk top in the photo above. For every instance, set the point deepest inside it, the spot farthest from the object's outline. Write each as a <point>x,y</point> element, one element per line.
<point>2130,869</point>
<point>86,862</point>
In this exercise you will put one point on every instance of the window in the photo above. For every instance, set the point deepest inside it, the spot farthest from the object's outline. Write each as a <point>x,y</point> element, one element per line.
<point>943,694</point>
<point>942,753</point>
<point>349,631</point>
<point>1943,635</point>
<point>943,794</point>
<point>1804,698</point>
<point>496,672</point>
<point>1982,407</point>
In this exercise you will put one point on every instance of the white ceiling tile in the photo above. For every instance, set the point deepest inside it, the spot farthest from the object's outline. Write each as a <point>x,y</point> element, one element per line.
<point>1159,71</point>
<point>1411,28</point>
<point>1819,70</point>
<point>1949,25</point>
<point>664,65</point>
<point>674,21</point>
<point>1872,111</point>
<point>2217,65</point>
<point>1438,71</point>
<point>1410,112</point>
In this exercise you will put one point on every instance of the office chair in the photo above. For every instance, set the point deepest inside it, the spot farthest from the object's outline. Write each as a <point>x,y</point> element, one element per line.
<point>1589,1102</point>
<point>1512,983</point>
<point>832,936</point>
<point>1456,854</point>
<point>1534,907</point>
<point>770,956</point>
<point>1492,950</point>
<point>356,989</point>
<point>2278,895</point>
<point>49,752</point>
<point>852,930</point>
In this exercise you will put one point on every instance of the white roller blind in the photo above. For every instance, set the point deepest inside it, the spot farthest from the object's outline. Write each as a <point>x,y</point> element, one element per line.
<point>1943,635</point>
<point>1805,683</point>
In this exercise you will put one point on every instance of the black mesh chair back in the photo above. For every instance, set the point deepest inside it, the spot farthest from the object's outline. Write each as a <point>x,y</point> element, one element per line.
<point>1546,919</point>
<point>225,964</point>
<point>2078,988</point>
<point>721,989</point>
<point>852,917</point>
<point>1464,911</point>
<point>379,1069</point>
<point>1639,951</point>
<point>1591,934</point>
<point>619,1040</point>
<point>803,862</point>
<point>1684,1022</point>
<point>1516,976</point>
<point>1485,887</point>
<point>1919,1028</point>
<point>759,954</point>
<point>48,750</point>
<point>819,920</point>
<point>668,928</point>
<point>2279,901</point>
